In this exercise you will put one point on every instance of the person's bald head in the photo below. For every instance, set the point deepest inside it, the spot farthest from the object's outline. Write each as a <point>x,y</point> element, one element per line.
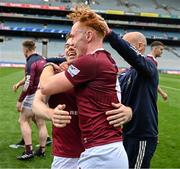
<point>137,40</point>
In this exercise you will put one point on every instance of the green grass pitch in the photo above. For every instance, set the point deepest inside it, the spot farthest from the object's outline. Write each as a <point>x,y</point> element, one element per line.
<point>167,153</point>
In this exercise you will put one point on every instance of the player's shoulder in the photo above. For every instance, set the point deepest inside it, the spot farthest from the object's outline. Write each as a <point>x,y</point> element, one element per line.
<point>98,56</point>
<point>101,52</point>
<point>92,59</point>
<point>34,58</point>
<point>85,60</point>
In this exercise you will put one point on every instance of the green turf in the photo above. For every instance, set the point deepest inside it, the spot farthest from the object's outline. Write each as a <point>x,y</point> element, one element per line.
<point>9,128</point>
<point>168,151</point>
<point>166,156</point>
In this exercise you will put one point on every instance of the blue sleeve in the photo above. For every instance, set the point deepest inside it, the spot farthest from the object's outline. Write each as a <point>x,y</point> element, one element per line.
<point>56,60</point>
<point>144,66</point>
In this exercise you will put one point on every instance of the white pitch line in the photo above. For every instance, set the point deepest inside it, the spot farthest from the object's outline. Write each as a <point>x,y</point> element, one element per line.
<point>172,88</point>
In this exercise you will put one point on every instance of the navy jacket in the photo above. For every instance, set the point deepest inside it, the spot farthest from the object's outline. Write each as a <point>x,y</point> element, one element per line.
<point>139,89</point>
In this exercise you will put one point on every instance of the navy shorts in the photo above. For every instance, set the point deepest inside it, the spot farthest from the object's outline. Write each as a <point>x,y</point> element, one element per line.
<point>140,151</point>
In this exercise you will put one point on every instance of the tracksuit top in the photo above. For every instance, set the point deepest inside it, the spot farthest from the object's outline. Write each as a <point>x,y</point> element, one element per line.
<point>139,89</point>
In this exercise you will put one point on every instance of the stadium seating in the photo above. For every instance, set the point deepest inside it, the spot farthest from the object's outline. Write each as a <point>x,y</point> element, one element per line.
<point>26,1</point>
<point>55,27</point>
<point>170,59</point>
<point>36,25</point>
<point>163,7</point>
<point>16,54</point>
<point>55,48</point>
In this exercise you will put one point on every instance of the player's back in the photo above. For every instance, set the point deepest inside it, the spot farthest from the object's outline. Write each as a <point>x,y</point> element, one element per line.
<point>95,85</point>
<point>34,67</point>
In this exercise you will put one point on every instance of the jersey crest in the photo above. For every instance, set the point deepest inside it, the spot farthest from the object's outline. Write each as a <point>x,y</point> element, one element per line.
<point>73,71</point>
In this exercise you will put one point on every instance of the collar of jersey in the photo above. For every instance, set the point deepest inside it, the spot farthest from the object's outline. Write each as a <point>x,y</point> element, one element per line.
<point>149,55</point>
<point>97,50</point>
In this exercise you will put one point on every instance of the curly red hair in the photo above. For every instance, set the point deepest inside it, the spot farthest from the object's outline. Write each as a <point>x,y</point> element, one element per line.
<point>88,18</point>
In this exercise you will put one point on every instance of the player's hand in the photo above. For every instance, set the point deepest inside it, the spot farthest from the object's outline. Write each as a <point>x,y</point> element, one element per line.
<point>120,115</point>
<point>19,106</point>
<point>15,87</point>
<point>63,66</point>
<point>56,68</point>
<point>164,96</point>
<point>60,117</point>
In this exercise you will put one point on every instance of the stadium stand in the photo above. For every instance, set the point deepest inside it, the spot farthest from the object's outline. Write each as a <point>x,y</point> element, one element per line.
<point>16,55</point>
<point>38,27</point>
<point>169,60</point>
<point>165,7</point>
<point>157,20</point>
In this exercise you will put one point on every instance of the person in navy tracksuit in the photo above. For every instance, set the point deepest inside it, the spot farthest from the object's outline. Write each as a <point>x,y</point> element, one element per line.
<point>139,91</point>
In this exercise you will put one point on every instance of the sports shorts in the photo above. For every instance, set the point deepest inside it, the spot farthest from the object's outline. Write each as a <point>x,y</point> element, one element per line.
<point>27,102</point>
<point>109,156</point>
<point>64,163</point>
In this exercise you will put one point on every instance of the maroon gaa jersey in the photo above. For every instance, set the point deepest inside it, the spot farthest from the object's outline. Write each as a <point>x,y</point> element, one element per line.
<point>94,77</point>
<point>67,140</point>
<point>33,69</point>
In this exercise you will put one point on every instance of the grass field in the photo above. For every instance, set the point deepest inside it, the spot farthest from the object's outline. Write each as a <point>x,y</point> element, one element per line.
<point>166,156</point>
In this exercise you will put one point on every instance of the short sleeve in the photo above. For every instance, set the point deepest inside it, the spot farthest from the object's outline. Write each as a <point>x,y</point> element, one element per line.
<point>82,70</point>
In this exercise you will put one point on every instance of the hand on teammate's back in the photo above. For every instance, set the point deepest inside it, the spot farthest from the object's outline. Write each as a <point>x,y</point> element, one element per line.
<point>60,117</point>
<point>63,66</point>
<point>120,115</point>
<point>57,69</point>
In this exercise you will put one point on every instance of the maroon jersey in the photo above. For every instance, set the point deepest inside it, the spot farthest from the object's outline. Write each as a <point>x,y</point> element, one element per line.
<point>67,140</point>
<point>33,69</point>
<point>94,77</point>
<point>153,59</point>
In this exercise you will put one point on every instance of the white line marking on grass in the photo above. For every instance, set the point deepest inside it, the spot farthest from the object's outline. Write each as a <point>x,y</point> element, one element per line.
<point>172,88</point>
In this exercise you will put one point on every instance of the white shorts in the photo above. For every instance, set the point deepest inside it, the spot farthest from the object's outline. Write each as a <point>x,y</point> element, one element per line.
<point>27,102</point>
<point>109,156</point>
<point>64,163</point>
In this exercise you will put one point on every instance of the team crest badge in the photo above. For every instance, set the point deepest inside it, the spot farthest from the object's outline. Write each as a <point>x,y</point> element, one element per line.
<point>73,71</point>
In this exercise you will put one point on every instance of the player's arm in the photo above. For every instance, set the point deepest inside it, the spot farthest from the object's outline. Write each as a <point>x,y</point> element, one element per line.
<point>81,71</point>
<point>162,93</point>
<point>40,107</point>
<point>131,55</point>
<point>51,83</point>
<point>56,60</point>
<point>18,84</point>
<point>120,115</point>
<point>58,116</point>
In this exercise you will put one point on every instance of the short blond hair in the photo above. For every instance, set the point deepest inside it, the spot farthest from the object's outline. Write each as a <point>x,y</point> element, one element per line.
<point>88,18</point>
<point>29,44</point>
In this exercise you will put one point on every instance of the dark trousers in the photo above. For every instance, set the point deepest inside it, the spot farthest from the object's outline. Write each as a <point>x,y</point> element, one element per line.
<point>140,151</point>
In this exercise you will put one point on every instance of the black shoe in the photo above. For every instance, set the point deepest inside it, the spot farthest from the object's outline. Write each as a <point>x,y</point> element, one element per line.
<point>48,142</point>
<point>17,145</point>
<point>26,156</point>
<point>39,153</point>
